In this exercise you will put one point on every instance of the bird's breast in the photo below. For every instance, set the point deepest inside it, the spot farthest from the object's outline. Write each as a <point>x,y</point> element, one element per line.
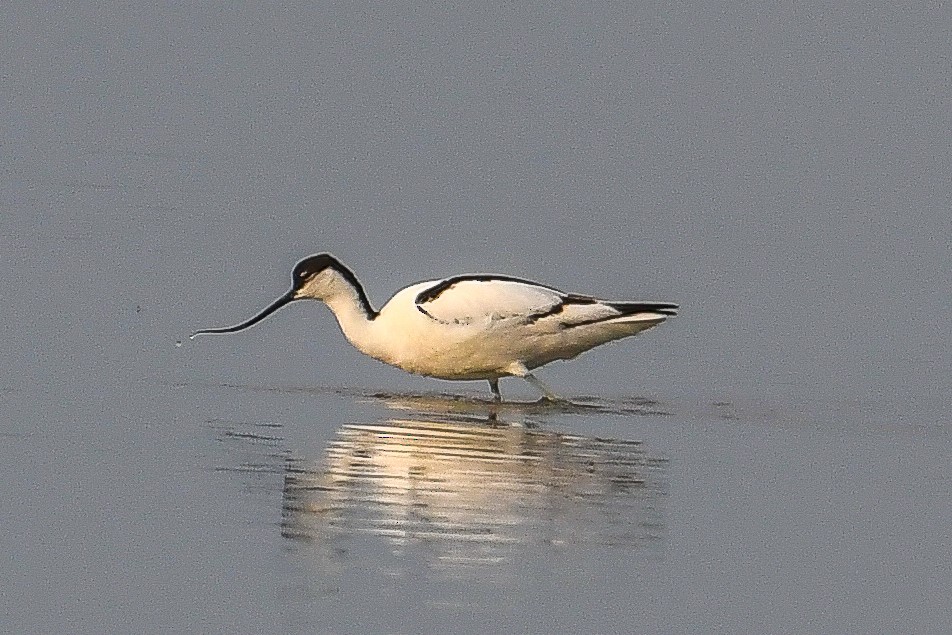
<point>409,339</point>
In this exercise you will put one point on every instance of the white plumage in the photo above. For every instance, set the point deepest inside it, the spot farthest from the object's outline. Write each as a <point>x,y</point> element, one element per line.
<point>474,326</point>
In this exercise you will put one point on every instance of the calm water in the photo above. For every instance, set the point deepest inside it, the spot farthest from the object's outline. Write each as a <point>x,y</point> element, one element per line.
<point>775,459</point>
<point>294,509</point>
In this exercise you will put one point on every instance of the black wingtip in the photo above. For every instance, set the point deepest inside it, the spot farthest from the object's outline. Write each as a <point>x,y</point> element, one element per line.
<point>663,308</point>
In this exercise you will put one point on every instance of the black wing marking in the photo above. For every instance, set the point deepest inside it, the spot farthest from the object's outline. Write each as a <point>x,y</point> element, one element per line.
<point>485,296</point>
<point>428,295</point>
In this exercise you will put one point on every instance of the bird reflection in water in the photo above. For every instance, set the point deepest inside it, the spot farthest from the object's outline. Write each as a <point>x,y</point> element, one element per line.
<point>471,488</point>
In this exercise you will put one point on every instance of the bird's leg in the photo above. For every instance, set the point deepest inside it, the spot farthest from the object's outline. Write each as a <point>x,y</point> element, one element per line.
<point>494,386</point>
<point>520,370</point>
<point>535,381</point>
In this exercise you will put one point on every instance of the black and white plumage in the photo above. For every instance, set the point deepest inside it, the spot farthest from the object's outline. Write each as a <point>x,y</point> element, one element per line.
<point>468,327</point>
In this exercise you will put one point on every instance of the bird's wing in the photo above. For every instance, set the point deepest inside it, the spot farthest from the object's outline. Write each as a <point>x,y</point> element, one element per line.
<point>582,311</point>
<point>477,297</point>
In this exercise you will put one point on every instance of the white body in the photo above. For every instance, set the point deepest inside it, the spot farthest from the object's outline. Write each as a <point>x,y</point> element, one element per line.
<point>474,326</point>
<point>481,329</point>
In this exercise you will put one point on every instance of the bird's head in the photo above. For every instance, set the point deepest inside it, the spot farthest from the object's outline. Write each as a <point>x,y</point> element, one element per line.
<point>317,277</point>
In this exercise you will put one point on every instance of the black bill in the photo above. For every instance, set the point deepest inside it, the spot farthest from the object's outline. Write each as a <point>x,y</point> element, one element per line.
<point>277,304</point>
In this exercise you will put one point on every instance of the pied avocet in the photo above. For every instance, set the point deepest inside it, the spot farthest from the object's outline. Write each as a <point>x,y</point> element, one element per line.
<point>468,327</point>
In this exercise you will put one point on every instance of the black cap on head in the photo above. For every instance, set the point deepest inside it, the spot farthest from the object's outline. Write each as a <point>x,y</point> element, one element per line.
<point>311,266</point>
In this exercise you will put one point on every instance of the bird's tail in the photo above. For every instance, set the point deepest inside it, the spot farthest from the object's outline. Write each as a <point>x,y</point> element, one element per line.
<point>645,310</point>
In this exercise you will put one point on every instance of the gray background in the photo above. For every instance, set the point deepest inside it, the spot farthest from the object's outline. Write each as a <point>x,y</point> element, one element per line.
<point>783,173</point>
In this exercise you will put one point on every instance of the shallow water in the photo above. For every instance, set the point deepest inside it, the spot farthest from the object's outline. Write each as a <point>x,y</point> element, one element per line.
<point>295,509</point>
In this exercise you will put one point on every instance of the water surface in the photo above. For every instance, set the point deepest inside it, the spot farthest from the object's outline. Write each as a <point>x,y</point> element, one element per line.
<point>775,459</point>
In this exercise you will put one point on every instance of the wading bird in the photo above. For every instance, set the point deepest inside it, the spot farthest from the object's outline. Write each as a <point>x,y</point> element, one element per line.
<point>468,327</point>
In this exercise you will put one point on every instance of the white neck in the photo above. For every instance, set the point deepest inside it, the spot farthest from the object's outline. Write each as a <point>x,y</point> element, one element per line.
<point>355,316</point>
